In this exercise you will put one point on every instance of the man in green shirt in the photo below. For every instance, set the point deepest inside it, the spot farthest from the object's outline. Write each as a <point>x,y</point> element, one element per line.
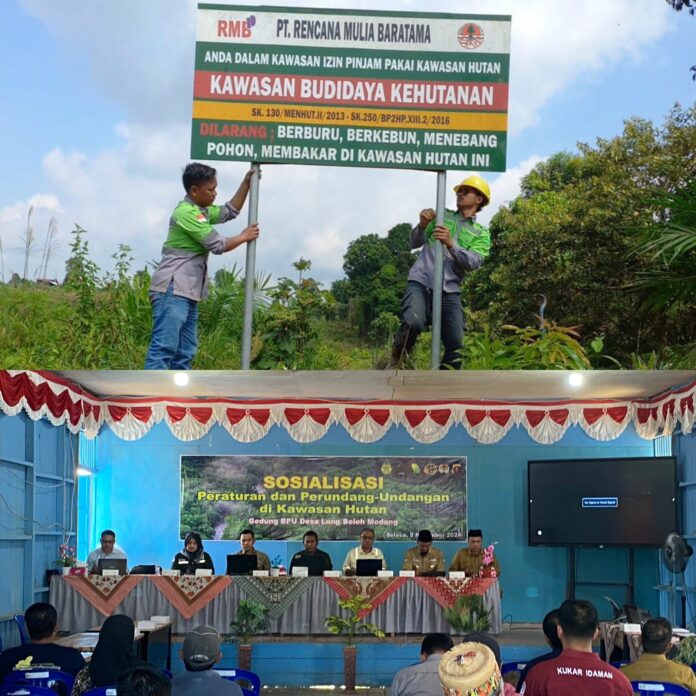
<point>466,243</point>
<point>180,281</point>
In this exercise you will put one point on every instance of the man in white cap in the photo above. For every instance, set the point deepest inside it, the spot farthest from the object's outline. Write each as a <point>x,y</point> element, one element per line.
<point>200,651</point>
<point>465,244</point>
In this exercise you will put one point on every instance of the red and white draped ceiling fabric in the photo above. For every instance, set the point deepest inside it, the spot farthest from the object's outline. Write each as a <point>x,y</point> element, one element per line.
<point>44,395</point>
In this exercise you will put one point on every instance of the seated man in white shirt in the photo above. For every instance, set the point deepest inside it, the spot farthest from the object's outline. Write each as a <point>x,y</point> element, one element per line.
<point>423,678</point>
<point>107,549</point>
<point>364,551</point>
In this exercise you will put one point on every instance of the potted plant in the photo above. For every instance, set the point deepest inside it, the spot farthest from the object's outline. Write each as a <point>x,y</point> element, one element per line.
<point>351,626</point>
<point>468,614</point>
<point>686,651</point>
<point>251,618</point>
<point>66,558</point>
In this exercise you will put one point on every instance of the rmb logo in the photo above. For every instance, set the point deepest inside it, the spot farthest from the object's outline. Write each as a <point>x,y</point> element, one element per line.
<point>236,28</point>
<point>470,35</point>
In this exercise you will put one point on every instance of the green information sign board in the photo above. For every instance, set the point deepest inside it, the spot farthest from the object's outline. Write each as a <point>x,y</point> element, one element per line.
<point>351,88</point>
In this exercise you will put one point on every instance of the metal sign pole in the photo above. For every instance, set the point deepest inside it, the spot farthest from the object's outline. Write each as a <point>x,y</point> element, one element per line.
<point>438,277</point>
<point>250,270</point>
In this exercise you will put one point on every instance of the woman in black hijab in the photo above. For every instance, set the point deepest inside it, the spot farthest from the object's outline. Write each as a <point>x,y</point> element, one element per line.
<point>112,655</point>
<point>192,556</point>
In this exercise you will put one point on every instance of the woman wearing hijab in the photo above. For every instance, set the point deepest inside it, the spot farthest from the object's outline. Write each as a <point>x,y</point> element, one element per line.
<point>192,556</point>
<point>112,655</point>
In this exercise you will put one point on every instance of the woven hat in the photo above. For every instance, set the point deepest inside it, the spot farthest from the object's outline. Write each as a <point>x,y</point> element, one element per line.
<point>469,669</point>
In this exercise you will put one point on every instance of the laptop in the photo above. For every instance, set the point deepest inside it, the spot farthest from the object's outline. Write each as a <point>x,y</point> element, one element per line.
<point>314,565</point>
<point>240,564</point>
<point>368,566</point>
<point>120,564</point>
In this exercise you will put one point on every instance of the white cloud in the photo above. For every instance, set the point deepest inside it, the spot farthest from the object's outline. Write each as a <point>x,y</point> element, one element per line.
<point>506,187</point>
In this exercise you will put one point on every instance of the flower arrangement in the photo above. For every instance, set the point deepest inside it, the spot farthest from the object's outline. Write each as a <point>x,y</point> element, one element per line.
<point>66,558</point>
<point>488,558</point>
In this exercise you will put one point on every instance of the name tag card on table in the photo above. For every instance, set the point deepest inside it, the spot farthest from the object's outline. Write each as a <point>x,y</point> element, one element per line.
<point>110,572</point>
<point>300,571</point>
<point>332,573</point>
<point>385,573</point>
<point>407,573</point>
<point>456,574</point>
<point>203,572</point>
<point>170,573</point>
<point>260,573</point>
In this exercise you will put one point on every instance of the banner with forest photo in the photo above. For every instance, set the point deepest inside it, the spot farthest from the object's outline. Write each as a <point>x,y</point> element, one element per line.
<point>282,497</point>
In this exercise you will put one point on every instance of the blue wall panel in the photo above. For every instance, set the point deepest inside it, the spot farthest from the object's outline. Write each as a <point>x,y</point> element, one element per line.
<point>137,494</point>
<point>36,495</point>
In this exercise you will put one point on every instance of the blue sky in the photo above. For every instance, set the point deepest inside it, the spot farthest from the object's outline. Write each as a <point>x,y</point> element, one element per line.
<point>95,122</point>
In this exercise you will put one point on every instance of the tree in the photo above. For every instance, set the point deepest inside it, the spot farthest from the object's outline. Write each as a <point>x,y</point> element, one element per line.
<point>302,265</point>
<point>570,236</point>
<point>376,269</point>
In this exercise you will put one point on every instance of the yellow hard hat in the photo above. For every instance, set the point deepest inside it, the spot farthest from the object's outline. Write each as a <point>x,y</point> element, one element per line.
<point>476,182</point>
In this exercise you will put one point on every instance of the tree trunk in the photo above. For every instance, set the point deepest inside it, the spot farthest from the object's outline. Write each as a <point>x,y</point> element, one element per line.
<point>349,659</point>
<point>244,656</point>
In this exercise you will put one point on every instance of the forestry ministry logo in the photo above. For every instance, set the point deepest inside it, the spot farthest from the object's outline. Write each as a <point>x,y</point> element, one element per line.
<point>470,35</point>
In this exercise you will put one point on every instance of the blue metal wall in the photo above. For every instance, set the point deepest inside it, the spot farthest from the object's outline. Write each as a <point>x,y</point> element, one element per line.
<point>684,448</point>
<point>37,502</point>
<point>136,492</point>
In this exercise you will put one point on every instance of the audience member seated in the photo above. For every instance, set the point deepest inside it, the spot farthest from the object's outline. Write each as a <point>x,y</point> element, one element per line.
<point>312,558</point>
<point>364,551</point>
<point>492,643</point>
<point>107,549</point>
<point>422,678</point>
<point>550,627</point>
<point>577,671</point>
<point>653,664</point>
<point>42,624</point>
<point>143,681</point>
<point>112,655</point>
<point>424,559</point>
<point>247,539</point>
<point>200,651</point>
<point>192,556</point>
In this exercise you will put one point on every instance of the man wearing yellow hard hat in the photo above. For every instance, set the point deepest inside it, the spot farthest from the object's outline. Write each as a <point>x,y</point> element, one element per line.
<point>466,244</point>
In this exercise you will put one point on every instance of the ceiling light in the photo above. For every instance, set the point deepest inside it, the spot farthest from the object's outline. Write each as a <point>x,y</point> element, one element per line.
<point>181,379</point>
<point>575,379</point>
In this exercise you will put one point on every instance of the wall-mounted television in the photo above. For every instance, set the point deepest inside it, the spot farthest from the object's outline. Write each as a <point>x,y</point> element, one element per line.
<point>602,502</point>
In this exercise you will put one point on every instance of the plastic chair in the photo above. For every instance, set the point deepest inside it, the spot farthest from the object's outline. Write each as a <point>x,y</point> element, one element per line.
<point>253,687</point>
<point>619,663</point>
<point>100,691</point>
<point>507,667</point>
<point>651,688</point>
<point>22,626</point>
<point>25,690</point>
<point>46,678</point>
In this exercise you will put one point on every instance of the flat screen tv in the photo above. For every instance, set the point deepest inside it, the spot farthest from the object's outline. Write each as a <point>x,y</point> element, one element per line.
<point>602,502</point>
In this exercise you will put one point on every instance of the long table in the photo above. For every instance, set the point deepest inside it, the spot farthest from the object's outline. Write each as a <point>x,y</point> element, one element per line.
<point>297,606</point>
